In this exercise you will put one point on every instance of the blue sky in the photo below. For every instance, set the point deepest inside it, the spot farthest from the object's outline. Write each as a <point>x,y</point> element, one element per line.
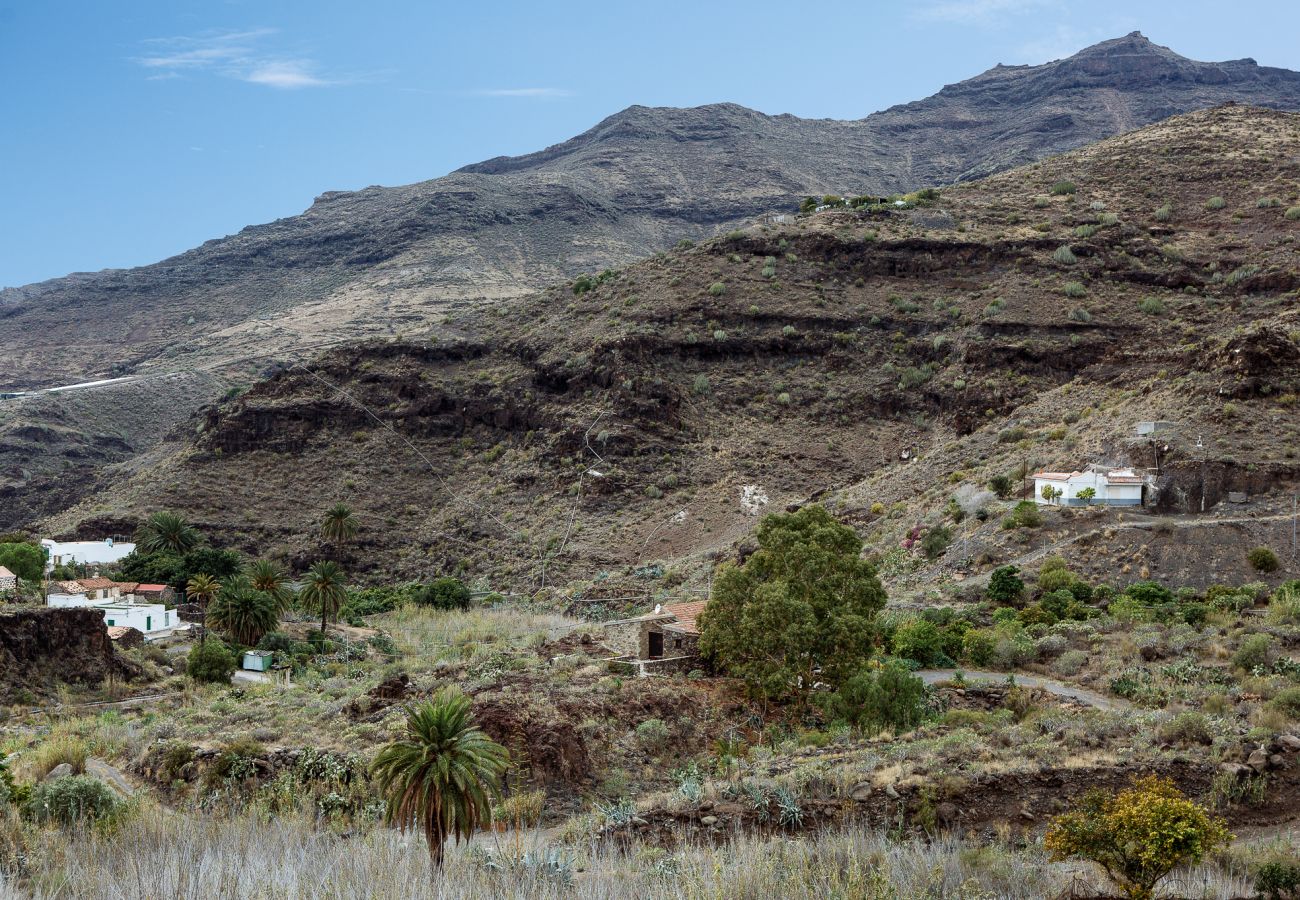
<point>134,129</point>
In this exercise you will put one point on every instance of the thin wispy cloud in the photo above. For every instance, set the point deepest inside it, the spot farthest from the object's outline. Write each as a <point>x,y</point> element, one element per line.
<point>240,55</point>
<point>543,93</point>
<point>977,12</point>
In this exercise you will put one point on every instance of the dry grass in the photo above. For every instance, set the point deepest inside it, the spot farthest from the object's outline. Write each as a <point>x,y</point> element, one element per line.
<point>187,856</point>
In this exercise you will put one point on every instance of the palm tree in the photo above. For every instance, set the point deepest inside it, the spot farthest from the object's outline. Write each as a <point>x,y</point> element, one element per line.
<point>440,776</point>
<point>339,526</point>
<point>267,577</point>
<point>203,588</point>
<point>244,612</point>
<point>166,532</point>
<point>326,587</point>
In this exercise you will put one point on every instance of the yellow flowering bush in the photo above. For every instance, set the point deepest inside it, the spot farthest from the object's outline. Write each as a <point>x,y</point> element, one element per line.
<point>1137,836</point>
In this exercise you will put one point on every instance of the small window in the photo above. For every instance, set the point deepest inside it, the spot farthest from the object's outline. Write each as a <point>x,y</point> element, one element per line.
<point>111,622</point>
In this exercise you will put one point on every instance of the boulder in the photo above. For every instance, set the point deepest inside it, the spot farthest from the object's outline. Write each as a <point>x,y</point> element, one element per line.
<point>62,770</point>
<point>709,820</point>
<point>1258,760</point>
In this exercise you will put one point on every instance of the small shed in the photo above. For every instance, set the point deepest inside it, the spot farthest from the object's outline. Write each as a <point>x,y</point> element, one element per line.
<point>258,660</point>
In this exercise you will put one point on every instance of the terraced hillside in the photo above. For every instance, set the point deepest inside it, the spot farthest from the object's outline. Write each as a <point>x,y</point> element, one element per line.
<point>879,358</point>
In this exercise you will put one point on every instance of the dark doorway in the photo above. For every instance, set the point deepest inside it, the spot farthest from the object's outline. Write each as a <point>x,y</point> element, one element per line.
<point>656,645</point>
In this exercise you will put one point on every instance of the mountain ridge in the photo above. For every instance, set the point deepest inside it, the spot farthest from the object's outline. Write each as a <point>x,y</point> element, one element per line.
<point>400,262</point>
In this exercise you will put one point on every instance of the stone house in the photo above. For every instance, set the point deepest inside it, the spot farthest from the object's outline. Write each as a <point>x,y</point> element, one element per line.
<point>664,641</point>
<point>8,582</point>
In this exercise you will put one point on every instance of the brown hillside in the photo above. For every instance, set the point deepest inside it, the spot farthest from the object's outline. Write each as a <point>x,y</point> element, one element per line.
<point>889,355</point>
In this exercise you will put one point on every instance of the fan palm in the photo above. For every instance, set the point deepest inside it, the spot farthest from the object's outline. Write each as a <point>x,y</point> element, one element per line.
<point>244,612</point>
<point>441,774</point>
<point>325,587</point>
<point>203,588</point>
<point>267,577</point>
<point>166,532</point>
<point>339,525</point>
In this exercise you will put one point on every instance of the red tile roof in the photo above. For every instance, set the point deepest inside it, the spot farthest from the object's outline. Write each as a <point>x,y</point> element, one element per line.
<point>1124,479</point>
<point>150,588</point>
<point>95,584</point>
<point>686,613</point>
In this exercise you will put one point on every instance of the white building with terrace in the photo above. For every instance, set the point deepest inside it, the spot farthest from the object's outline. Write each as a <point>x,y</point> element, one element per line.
<point>1095,487</point>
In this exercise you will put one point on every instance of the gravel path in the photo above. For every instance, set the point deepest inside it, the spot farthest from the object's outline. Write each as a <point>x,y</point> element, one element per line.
<point>1059,688</point>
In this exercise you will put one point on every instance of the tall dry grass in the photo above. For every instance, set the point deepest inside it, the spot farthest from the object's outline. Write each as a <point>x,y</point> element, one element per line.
<point>189,856</point>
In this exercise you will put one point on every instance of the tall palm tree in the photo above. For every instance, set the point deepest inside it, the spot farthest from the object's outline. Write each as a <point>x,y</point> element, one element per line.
<point>267,577</point>
<point>326,588</point>
<point>166,532</point>
<point>441,775</point>
<point>244,612</point>
<point>339,526</point>
<point>203,588</point>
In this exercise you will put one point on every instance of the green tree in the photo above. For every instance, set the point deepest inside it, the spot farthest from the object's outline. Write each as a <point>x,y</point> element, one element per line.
<point>801,608</point>
<point>444,593</point>
<point>203,588</point>
<point>25,560</point>
<point>166,532</point>
<point>211,662</point>
<point>1087,495</point>
<point>1005,586</point>
<point>267,577</point>
<point>1050,493</point>
<point>339,526</point>
<point>243,612</point>
<point>325,589</point>
<point>441,775</point>
<point>1137,836</point>
<point>1003,486</point>
<point>879,697</point>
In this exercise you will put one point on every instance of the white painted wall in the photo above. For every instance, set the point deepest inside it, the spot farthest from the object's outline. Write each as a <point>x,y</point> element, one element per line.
<point>89,552</point>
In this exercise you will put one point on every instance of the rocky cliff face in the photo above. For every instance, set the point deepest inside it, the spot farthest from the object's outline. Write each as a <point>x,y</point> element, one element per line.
<point>41,647</point>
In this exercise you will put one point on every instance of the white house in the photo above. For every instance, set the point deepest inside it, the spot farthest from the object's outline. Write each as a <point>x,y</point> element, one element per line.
<point>92,553</point>
<point>8,582</point>
<point>153,620</point>
<point>1116,487</point>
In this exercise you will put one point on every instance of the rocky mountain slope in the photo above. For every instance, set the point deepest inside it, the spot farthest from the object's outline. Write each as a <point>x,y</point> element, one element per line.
<point>881,359</point>
<point>387,262</point>
<point>384,260</point>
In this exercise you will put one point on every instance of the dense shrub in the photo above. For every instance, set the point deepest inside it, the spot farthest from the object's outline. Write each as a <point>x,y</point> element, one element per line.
<point>1187,727</point>
<point>1137,836</point>
<point>72,800</point>
<point>1254,652</point>
<point>1075,290</point>
<point>211,662</point>
<point>1152,306</point>
<point>1064,187</point>
<point>444,593</point>
<point>922,642</point>
<point>1263,559</point>
<point>276,641</point>
<point>652,736</point>
<point>887,696</point>
<point>1279,879</point>
<point>1005,586</point>
<point>1002,485</point>
<point>1025,515</point>
<point>979,646</point>
<point>936,541</point>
